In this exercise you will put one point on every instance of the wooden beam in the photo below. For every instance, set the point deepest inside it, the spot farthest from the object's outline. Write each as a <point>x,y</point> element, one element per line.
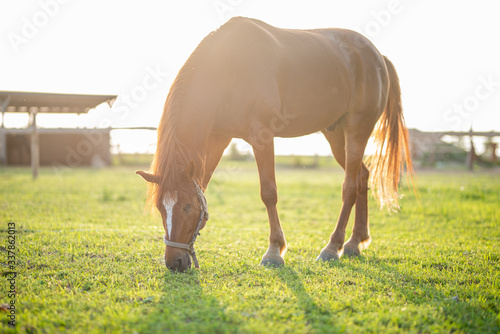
<point>35,147</point>
<point>135,128</point>
<point>466,133</point>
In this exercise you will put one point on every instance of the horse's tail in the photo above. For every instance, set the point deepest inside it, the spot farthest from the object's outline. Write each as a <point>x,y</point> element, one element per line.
<point>391,138</point>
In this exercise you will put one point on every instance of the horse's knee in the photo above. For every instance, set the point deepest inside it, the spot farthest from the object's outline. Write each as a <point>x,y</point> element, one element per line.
<point>269,196</point>
<point>349,191</point>
<point>364,174</point>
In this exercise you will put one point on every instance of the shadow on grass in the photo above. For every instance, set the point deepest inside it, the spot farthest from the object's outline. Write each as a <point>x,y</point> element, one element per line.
<point>318,318</point>
<point>185,308</point>
<point>427,290</point>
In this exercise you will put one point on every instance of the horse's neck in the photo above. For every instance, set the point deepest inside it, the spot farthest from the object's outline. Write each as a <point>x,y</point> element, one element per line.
<point>192,126</point>
<point>195,149</point>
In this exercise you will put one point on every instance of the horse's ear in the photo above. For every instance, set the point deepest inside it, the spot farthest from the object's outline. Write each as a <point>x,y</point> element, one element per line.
<point>148,177</point>
<point>189,172</point>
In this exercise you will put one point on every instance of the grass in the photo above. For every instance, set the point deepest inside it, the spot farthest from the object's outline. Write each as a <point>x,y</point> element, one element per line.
<point>90,260</point>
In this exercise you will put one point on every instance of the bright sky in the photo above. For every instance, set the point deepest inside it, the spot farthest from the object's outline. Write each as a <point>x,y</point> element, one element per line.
<point>446,52</point>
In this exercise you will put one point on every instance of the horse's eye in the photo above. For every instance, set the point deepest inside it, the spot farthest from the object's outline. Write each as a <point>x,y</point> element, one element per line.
<point>187,207</point>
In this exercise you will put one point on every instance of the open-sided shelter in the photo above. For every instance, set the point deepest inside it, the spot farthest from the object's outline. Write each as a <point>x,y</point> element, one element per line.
<point>55,146</point>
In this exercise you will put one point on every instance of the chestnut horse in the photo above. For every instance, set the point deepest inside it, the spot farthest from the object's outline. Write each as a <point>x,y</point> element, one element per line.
<point>253,81</point>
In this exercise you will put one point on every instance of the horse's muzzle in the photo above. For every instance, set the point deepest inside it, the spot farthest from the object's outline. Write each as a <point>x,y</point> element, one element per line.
<point>180,262</point>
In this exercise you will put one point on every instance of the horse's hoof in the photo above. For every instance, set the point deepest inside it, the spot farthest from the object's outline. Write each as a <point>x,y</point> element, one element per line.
<point>351,251</point>
<point>352,248</point>
<point>327,256</point>
<point>272,262</point>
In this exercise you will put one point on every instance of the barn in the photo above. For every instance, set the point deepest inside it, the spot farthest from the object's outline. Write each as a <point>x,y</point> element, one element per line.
<point>54,147</point>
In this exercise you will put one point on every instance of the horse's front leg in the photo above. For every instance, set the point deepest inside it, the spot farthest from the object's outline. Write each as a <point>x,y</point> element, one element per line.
<point>264,156</point>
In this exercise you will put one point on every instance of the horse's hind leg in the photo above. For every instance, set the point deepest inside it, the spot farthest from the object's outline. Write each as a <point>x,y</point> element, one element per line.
<point>264,156</point>
<point>354,189</point>
<point>360,238</point>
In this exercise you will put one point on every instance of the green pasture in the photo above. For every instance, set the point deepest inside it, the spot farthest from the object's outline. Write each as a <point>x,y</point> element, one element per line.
<point>89,259</point>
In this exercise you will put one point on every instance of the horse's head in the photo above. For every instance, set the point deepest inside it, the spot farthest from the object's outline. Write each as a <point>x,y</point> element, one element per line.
<point>184,213</point>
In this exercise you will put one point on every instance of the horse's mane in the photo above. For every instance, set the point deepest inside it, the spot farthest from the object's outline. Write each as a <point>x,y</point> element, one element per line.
<point>172,156</point>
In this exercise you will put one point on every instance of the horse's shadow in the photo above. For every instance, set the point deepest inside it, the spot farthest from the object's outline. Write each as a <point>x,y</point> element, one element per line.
<point>184,308</point>
<point>417,290</point>
<point>317,317</point>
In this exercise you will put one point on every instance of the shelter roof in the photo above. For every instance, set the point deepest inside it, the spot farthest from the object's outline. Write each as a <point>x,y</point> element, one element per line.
<point>51,102</point>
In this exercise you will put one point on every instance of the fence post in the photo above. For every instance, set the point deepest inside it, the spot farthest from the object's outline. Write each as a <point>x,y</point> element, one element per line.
<point>35,147</point>
<point>472,153</point>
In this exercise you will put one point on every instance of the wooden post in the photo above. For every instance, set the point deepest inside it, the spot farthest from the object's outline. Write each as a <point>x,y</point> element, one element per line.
<point>3,147</point>
<point>35,149</point>
<point>4,104</point>
<point>3,138</point>
<point>472,154</point>
<point>494,151</point>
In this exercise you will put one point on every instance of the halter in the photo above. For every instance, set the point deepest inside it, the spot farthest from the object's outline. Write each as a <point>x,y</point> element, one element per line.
<point>203,214</point>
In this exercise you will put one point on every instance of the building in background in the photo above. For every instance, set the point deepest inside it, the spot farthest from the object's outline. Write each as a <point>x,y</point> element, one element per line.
<point>57,147</point>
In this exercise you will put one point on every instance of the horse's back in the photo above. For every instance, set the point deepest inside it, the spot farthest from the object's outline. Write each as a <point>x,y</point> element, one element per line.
<point>311,77</point>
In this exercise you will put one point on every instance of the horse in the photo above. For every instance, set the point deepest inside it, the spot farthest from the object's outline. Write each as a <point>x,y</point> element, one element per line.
<point>253,81</point>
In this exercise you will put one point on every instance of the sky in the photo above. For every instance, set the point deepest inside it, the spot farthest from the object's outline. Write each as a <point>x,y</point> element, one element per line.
<point>446,53</point>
